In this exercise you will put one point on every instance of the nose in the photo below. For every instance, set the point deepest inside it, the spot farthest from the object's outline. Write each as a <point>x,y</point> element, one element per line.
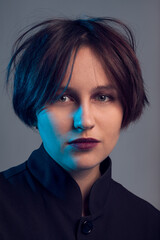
<point>83,118</point>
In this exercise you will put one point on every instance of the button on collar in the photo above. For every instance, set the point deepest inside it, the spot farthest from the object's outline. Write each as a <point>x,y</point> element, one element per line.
<point>87,227</point>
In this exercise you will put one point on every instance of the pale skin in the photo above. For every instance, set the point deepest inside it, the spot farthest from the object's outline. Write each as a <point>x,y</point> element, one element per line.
<point>90,108</point>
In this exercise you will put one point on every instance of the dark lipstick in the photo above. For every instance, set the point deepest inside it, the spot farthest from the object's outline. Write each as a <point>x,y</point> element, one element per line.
<point>84,143</point>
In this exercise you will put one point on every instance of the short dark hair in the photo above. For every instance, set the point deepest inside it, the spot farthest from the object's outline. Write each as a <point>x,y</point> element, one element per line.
<point>42,54</point>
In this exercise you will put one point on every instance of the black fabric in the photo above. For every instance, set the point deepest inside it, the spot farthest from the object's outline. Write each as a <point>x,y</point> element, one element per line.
<point>40,201</point>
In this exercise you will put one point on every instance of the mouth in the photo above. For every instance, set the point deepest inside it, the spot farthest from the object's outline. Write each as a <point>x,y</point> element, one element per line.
<point>84,143</point>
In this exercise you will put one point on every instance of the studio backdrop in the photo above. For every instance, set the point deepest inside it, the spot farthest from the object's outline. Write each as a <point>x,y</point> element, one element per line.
<point>136,158</point>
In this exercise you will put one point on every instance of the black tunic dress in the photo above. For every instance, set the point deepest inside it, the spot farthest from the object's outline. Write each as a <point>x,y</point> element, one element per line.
<point>39,200</point>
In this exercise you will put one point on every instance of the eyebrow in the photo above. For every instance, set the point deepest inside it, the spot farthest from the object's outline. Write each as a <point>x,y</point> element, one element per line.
<point>101,87</point>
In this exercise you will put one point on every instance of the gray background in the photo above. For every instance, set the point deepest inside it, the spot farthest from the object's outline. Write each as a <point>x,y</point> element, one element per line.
<point>136,158</point>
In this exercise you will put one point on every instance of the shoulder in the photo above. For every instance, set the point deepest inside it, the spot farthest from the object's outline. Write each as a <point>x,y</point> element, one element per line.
<point>13,175</point>
<point>129,199</point>
<point>136,208</point>
<point>13,171</point>
<point>15,181</point>
<point>11,179</point>
<point>17,187</point>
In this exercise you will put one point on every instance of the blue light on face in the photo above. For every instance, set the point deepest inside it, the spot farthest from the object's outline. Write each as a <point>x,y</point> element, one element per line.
<point>77,116</point>
<point>53,141</point>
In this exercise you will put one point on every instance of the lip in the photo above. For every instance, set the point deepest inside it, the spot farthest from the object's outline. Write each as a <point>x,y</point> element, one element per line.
<point>84,143</point>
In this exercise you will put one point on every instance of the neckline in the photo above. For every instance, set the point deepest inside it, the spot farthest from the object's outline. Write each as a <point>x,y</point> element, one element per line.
<point>62,186</point>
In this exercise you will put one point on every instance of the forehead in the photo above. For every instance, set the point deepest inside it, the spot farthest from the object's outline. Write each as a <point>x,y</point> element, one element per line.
<point>87,70</point>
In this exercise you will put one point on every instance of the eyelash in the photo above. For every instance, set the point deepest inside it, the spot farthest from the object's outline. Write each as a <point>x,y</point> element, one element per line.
<point>109,98</point>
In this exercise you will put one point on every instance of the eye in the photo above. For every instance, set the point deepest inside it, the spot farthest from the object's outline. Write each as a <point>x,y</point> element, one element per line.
<point>65,98</point>
<point>103,98</point>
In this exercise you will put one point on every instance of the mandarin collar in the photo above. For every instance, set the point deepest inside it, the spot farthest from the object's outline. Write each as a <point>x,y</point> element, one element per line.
<point>60,183</point>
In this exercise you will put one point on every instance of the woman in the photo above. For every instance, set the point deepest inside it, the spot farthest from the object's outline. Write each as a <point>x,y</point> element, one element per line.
<point>79,83</point>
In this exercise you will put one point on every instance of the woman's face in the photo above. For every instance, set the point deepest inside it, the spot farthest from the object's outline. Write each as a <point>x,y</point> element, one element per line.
<point>89,108</point>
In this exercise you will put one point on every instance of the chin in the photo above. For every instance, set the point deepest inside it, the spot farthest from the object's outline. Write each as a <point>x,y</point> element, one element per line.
<point>86,162</point>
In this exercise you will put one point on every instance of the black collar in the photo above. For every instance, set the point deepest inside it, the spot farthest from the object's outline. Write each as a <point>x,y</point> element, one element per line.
<point>59,182</point>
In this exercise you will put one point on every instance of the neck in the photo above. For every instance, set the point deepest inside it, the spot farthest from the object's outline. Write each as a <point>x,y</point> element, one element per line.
<point>85,179</point>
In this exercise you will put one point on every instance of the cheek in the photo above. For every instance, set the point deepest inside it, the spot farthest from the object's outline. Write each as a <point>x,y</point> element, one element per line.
<point>111,124</point>
<point>62,120</point>
<point>110,135</point>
